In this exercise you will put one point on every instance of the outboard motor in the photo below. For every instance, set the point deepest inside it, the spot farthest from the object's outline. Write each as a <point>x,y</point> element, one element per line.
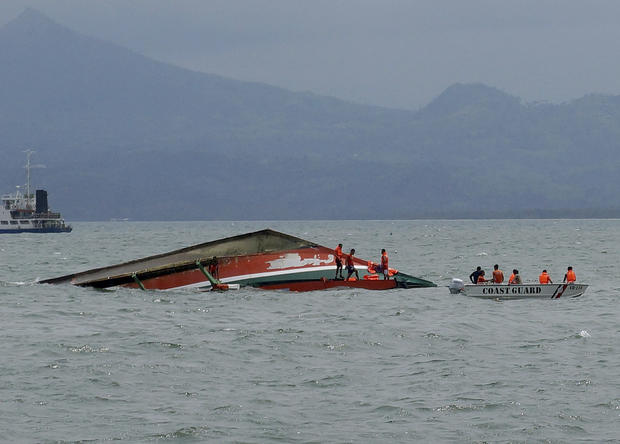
<point>41,206</point>
<point>456,286</point>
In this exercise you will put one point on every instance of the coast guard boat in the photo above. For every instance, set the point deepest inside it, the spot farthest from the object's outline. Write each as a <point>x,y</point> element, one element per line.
<point>29,213</point>
<point>517,291</point>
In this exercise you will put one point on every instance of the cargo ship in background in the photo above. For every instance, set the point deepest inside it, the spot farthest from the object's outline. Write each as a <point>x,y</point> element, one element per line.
<point>29,213</point>
<point>264,259</point>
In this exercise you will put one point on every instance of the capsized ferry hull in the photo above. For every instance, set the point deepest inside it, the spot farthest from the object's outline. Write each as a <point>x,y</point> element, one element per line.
<point>523,291</point>
<point>266,259</point>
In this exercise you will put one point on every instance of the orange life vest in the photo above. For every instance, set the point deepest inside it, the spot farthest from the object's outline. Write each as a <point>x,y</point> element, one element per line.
<point>481,279</point>
<point>384,261</point>
<point>338,252</point>
<point>498,276</point>
<point>570,276</point>
<point>544,278</point>
<point>512,278</point>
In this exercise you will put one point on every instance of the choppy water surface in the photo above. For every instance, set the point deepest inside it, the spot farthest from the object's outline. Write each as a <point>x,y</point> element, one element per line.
<point>335,366</point>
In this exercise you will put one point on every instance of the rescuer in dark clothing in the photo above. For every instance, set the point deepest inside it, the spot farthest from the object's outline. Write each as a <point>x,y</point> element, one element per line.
<point>474,276</point>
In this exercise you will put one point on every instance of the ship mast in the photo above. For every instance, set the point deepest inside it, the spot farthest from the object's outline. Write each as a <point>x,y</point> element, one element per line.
<point>28,197</point>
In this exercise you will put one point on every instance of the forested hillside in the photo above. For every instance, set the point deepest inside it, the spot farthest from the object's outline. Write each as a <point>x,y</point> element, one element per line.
<point>122,135</point>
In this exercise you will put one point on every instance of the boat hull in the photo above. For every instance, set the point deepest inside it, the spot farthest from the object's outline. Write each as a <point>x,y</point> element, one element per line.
<point>523,291</point>
<point>398,280</point>
<point>66,229</point>
<point>265,259</point>
<point>328,284</point>
<point>299,270</point>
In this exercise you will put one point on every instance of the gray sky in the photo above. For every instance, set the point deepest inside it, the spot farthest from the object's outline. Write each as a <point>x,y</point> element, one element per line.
<point>396,53</point>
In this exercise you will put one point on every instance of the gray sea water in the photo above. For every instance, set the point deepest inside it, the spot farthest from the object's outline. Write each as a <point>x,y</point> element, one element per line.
<point>81,365</point>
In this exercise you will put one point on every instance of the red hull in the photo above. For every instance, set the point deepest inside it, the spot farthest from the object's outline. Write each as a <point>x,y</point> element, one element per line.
<point>327,284</point>
<point>265,259</point>
<point>251,267</point>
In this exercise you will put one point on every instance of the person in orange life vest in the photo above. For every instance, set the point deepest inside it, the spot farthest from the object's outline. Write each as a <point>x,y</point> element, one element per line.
<point>350,265</point>
<point>498,275</point>
<point>385,264</point>
<point>338,256</point>
<point>515,278</point>
<point>544,278</point>
<point>481,279</point>
<point>570,276</point>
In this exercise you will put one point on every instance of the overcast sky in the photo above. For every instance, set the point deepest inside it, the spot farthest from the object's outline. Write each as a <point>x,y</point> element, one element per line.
<point>396,53</point>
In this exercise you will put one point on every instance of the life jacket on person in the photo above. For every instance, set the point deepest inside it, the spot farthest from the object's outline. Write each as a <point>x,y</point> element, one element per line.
<point>338,252</point>
<point>544,278</point>
<point>384,261</point>
<point>498,276</point>
<point>512,278</point>
<point>570,276</point>
<point>481,279</point>
<point>372,268</point>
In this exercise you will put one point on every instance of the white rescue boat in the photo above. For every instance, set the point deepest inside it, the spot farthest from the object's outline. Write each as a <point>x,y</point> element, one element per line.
<point>517,291</point>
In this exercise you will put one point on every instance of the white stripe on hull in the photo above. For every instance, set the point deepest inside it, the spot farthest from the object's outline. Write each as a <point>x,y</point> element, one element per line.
<point>233,279</point>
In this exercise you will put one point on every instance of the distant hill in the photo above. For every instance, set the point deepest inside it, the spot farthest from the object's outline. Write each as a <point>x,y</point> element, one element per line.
<point>126,136</point>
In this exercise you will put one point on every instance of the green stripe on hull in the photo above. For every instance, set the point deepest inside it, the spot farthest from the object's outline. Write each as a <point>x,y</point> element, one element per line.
<point>408,281</point>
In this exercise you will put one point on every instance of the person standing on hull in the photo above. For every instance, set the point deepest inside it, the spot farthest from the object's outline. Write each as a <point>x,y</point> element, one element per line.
<point>544,278</point>
<point>474,276</point>
<point>498,275</point>
<point>338,256</point>
<point>570,276</point>
<point>351,266</point>
<point>385,264</point>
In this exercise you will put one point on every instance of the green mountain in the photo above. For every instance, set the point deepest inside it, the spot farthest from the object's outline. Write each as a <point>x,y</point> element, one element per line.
<point>126,136</point>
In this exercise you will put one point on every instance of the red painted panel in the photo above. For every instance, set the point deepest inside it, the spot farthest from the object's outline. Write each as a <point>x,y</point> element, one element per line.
<point>231,267</point>
<point>327,284</point>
